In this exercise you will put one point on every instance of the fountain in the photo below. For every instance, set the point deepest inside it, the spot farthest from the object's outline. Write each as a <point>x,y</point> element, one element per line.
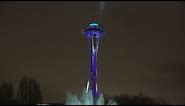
<point>86,99</point>
<point>90,95</point>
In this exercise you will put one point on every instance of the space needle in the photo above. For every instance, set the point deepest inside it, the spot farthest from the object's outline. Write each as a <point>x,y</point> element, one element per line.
<point>94,32</point>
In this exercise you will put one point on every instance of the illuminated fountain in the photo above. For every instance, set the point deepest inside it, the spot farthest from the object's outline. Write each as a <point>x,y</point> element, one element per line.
<point>90,96</point>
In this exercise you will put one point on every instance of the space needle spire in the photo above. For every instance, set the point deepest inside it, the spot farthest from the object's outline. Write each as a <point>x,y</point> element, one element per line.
<point>94,32</point>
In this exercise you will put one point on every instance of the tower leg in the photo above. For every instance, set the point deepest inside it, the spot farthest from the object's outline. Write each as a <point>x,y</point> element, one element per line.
<point>93,68</point>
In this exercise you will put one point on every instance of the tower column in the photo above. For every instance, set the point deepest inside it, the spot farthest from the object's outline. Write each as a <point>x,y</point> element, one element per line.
<point>94,32</point>
<point>93,66</point>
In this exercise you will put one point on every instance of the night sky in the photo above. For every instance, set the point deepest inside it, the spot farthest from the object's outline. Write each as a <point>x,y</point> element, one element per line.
<point>143,49</point>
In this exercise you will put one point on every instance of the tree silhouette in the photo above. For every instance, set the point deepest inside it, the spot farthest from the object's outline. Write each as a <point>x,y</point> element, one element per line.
<point>6,93</point>
<point>126,99</point>
<point>29,91</point>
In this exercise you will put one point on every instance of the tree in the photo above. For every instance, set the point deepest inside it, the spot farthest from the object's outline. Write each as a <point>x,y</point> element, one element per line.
<point>29,91</point>
<point>126,99</point>
<point>6,93</point>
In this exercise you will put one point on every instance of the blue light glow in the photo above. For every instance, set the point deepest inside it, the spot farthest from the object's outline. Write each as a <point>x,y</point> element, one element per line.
<point>93,29</point>
<point>94,32</point>
<point>93,24</point>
